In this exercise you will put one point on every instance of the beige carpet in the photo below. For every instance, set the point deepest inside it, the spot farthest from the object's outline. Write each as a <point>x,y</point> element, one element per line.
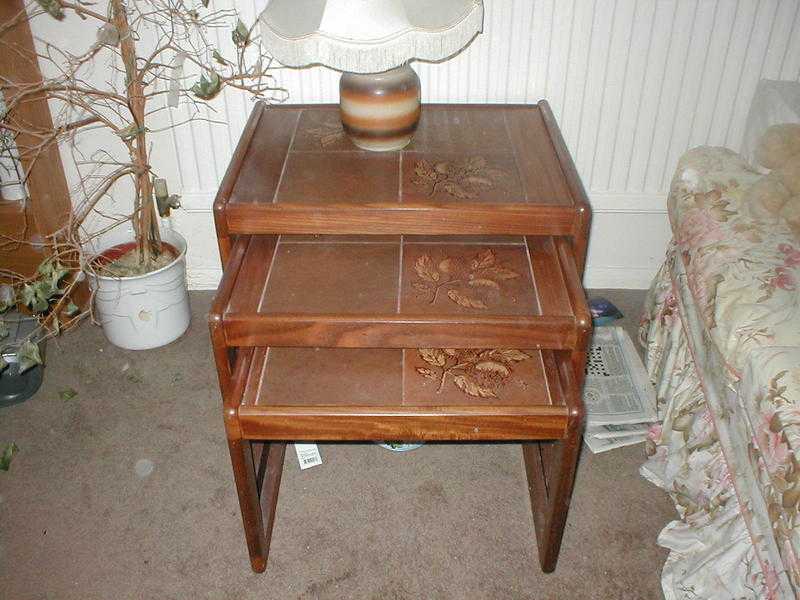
<point>84,515</point>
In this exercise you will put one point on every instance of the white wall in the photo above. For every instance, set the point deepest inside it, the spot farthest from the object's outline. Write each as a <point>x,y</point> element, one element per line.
<point>633,83</point>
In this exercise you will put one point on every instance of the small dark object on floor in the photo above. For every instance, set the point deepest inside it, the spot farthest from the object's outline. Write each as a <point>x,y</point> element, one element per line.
<point>603,311</point>
<point>16,387</point>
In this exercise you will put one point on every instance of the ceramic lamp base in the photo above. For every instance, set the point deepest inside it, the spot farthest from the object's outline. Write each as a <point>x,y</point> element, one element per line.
<point>380,111</point>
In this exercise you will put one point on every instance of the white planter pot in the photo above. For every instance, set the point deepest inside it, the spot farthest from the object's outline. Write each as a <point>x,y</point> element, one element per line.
<point>145,311</point>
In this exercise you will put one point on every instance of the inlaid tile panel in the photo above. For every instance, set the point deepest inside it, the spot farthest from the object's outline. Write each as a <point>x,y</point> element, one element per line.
<point>448,177</point>
<point>321,130</point>
<point>441,129</point>
<point>452,377</point>
<point>340,177</point>
<point>332,376</point>
<point>467,279</point>
<point>333,278</point>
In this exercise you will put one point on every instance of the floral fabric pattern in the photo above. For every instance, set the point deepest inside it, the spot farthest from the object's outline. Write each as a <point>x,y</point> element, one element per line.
<point>721,330</point>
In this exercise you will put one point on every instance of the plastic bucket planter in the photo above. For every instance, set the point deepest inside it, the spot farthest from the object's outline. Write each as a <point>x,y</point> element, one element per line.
<point>144,311</point>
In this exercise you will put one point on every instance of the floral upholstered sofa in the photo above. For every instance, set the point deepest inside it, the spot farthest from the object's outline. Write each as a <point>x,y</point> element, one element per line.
<point>721,328</point>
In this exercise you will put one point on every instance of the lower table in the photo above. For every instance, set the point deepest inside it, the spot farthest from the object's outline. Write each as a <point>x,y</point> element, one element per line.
<point>360,390</point>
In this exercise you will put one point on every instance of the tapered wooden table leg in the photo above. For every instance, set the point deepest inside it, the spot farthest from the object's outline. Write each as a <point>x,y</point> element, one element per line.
<point>269,468</point>
<point>551,467</point>
<point>257,522</point>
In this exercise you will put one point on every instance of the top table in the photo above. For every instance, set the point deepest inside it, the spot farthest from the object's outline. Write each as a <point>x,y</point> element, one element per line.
<point>470,169</point>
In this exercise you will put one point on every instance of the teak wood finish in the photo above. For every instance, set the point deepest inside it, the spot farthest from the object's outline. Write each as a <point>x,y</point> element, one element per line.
<point>294,175</point>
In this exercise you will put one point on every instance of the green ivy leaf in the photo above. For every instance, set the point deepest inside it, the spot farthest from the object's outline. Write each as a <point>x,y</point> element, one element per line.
<point>28,356</point>
<point>240,35</point>
<point>42,292</point>
<point>28,295</point>
<point>67,394</point>
<point>53,270</point>
<point>8,297</point>
<point>219,58</point>
<point>9,451</point>
<point>59,272</point>
<point>126,134</point>
<point>45,267</point>
<point>207,88</point>
<point>53,8</point>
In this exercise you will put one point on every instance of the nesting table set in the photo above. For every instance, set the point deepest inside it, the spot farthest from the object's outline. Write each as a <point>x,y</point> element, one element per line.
<point>432,293</point>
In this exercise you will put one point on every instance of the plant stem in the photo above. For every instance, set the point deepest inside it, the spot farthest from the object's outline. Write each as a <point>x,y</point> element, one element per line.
<point>459,366</point>
<point>440,286</point>
<point>148,239</point>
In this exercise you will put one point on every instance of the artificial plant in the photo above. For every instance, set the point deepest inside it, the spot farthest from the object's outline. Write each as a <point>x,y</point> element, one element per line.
<point>143,58</point>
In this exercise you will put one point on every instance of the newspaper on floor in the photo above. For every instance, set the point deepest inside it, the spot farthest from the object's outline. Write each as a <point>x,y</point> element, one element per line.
<point>617,431</point>
<point>598,445</point>
<point>620,401</point>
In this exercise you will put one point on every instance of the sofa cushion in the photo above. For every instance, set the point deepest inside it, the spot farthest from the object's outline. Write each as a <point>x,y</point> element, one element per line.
<point>744,274</point>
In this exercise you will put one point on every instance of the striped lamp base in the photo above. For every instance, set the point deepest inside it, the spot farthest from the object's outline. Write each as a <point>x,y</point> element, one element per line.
<point>380,111</point>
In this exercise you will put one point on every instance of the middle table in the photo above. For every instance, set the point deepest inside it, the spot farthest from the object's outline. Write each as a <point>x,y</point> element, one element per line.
<point>405,292</point>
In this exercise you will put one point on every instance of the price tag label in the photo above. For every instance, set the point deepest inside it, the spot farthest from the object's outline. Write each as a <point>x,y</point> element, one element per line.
<point>307,455</point>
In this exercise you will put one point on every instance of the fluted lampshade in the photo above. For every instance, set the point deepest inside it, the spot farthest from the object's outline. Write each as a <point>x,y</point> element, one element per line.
<point>367,36</point>
<point>371,41</point>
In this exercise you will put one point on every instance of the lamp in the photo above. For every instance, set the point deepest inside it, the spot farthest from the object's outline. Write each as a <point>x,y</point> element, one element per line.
<point>371,41</point>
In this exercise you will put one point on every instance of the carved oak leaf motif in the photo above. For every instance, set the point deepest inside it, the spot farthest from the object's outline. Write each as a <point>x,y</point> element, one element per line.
<point>463,179</point>
<point>425,269</point>
<point>466,301</point>
<point>461,278</point>
<point>479,373</point>
<point>434,356</point>
<point>471,387</point>
<point>484,258</point>
<point>327,134</point>
<point>490,365</point>
<point>484,282</point>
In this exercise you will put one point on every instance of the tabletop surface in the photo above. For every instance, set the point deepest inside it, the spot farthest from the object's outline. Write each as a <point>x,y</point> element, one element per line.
<point>459,154</point>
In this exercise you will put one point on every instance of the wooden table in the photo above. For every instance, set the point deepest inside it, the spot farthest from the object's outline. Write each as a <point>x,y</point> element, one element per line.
<point>428,294</point>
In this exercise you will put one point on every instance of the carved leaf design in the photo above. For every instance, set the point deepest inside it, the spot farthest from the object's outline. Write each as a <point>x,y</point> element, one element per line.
<point>466,301</point>
<point>425,269</point>
<point>502,273</point>
<point>476,372</point>
<point>484,258</point>
<point>510,354</point>
<point>448,265</point>
<point>471,387</point>
<point>424,174</point>
<point>462,179</point>
<point>484,283</point>
<point>425,372</point>
<point>493,366</point>
<point>478,180</point>
<point>483,272</point>
<point>455,189</point>
<point>433,356</point>
<point>327,134</point>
